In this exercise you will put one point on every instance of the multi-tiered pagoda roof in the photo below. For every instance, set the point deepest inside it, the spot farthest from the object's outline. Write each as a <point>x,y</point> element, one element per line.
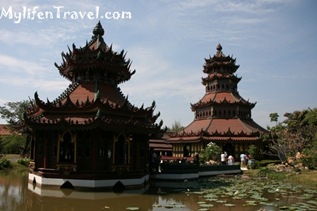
<point>221,114</point>
<point>93,99</point>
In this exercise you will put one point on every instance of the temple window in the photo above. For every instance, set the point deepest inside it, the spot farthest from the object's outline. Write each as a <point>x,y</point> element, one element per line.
<point>66,148</point>
<point>121,150</point>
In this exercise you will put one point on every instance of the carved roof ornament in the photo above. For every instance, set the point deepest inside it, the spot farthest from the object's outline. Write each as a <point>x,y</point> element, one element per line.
<point>219,51</point>
<point>98,30</point>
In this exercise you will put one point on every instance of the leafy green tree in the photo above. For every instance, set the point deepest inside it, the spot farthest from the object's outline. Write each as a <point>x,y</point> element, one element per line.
<point>309,157</point>
<point>13,112</point>
<point>12,144</point>
<point>311,117</point>
<point>297,133</point>
<point>176,127</point>
<point>274,117</point>
<point>252,150</point>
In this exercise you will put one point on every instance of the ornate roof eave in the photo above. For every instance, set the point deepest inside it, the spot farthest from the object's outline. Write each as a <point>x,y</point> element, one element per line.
<point>230,133</point>
<point>113,125</point>
<point>123,70</point>
<point>96,55</point>
<point>208,78</point>
<point>68,107</point>
<point>200,104</point>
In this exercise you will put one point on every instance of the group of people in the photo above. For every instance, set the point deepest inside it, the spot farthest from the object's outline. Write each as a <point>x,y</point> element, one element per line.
<point>225,159</point>
<point>229,160</point>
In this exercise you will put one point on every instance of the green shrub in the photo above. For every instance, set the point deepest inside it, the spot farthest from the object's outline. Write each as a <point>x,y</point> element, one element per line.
<point>309,158</point>
<point>271,174</point>
<point>310,161</point>
<point>264,163</point>
<point>24,161</point>
<point>12,144</point>
<point>5,163</point>
<point>211,152</point>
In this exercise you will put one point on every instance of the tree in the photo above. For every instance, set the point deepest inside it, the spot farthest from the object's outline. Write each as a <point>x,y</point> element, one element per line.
<point>12,144</point>
<point>13,112</point>
<point>274,117</point>
<point>177,127</point>
<point>297,133</point>
<point>252,150</point>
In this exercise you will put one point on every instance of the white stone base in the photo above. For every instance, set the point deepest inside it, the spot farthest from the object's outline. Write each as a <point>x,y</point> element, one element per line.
<point>80,183</point>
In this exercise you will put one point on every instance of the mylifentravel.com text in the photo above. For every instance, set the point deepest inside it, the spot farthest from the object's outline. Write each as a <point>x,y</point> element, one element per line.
<point>59,12</point>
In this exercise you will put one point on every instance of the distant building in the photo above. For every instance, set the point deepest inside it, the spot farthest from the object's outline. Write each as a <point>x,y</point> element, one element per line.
<point>222,116</point>
<point>5,130</point>
<point>91,135</point>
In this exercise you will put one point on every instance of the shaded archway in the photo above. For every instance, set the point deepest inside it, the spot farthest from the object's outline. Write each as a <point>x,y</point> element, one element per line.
<point>186,150</point>
<point>229,148</point>
<point>121,150</point>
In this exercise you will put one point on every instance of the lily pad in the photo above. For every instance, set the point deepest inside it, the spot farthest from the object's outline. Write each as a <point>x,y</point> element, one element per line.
<point>206,205</point>
<point>229,205</point>
<point>133,208</point>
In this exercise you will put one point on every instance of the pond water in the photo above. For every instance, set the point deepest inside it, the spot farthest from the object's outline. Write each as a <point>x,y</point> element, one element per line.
<point>215,193</point>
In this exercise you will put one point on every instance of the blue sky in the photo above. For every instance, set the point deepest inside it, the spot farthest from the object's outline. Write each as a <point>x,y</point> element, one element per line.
<point>274,42</point>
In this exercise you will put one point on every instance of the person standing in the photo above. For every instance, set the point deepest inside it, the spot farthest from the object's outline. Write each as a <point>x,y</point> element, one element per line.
<point>223,158</point>
<point>196,158</point>
<point>230,160</point>
<point>242,159</point>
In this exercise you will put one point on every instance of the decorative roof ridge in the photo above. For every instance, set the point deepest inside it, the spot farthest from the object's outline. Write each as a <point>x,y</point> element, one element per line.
<point>208,126</point>
<point>66,92</point>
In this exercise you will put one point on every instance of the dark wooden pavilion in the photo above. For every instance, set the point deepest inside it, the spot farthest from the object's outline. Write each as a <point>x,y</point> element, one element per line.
<point>222,116</point>
<point>91,135</point>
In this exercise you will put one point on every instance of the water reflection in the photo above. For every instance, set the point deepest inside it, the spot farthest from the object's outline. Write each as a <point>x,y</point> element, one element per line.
<point>222,194</point>
<point>13,190</point>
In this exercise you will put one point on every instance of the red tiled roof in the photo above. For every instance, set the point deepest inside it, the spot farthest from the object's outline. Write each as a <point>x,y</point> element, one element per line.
<point>88,90</point>
<point>5,130</point>
<point>197,126</point>
<point>219,130</point>
<point>220,97</point>
<point>191,139</point>
<point>160,145</point>
<point>223,126</point>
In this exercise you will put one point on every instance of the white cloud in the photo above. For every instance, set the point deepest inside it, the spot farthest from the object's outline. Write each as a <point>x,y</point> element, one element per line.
<point>17,65</point>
